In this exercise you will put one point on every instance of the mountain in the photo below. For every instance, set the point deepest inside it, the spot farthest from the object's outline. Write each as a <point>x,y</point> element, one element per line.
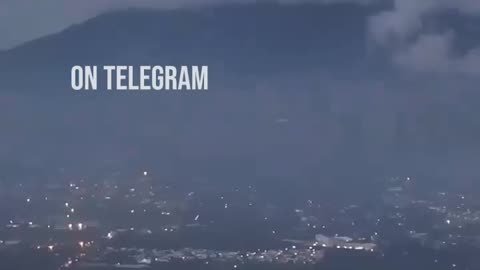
<point>236,41</point>
<point>296,94</point>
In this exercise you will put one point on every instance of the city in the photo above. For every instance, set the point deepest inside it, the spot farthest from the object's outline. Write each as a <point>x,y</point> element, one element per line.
<point>149,223</point>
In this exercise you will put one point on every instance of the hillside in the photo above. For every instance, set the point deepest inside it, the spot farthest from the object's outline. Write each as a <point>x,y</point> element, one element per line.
<point>296,94</point>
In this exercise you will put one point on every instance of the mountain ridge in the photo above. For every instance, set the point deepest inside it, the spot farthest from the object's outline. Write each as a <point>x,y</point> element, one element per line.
<point>294,94</point>
<point>254,40</point>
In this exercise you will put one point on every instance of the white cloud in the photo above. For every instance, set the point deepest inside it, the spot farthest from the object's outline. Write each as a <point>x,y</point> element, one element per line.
<point>402,30</point>
<point>397,25</point>
<point>428,53</point>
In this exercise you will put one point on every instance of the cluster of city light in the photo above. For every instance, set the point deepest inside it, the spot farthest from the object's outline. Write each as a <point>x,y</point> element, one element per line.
<point>79,226</point>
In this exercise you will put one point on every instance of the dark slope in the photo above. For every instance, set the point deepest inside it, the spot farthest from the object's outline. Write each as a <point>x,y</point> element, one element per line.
<point>250,40</point>
<point>291,100</point>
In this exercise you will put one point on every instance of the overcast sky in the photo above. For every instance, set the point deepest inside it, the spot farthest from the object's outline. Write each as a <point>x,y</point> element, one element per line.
<point>401,30</point>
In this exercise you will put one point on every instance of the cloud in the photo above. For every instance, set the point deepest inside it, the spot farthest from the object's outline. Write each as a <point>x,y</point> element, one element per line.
<point>403,31</point>
<point>428,53</point>
<point>435,53</point>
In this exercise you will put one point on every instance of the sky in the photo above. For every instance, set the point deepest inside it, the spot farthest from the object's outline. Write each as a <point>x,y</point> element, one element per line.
<point>403,29</point>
